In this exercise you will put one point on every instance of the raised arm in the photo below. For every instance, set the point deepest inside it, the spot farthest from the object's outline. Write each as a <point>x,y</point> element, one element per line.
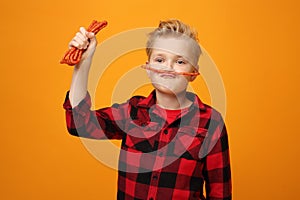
<point>105,123</point>
<point>82,40</point>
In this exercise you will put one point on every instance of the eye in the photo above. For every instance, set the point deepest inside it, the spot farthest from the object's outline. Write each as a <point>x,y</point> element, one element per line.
<point>181,62</point>
<point>159,60</point>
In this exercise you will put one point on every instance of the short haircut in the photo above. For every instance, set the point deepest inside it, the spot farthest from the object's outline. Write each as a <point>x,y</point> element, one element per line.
<point>173,28</point>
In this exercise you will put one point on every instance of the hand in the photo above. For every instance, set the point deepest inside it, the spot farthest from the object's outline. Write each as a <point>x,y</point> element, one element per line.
<point>84,40</point>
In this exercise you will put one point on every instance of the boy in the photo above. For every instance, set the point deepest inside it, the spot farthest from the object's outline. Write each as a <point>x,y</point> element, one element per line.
<point>172,143</point>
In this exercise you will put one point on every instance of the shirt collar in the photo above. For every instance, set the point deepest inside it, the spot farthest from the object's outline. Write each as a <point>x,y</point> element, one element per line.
<point>149,101</point>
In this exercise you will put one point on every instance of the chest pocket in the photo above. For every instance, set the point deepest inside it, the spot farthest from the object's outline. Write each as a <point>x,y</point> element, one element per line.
<point>188,142</point>
<point>141,138</point>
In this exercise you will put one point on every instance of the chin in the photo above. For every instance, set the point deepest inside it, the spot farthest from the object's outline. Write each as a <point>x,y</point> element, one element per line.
<point>169,90</point>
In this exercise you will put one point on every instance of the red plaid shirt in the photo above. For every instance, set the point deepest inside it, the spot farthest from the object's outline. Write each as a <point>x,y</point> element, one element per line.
<point>158,160</point>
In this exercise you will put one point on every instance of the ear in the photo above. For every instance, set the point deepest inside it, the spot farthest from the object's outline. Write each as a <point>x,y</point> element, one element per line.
<point>192,78</point>
<point>147,70</point>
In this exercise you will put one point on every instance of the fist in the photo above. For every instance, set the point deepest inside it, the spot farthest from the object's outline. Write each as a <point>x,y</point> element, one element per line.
<point>84,40</point>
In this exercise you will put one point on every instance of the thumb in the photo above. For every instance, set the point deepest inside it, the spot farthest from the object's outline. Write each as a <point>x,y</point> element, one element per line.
<point>90,35</point>
<point>92,38</point>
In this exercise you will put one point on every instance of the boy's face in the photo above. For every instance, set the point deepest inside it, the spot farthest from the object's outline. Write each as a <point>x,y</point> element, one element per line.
<point>171,54</point>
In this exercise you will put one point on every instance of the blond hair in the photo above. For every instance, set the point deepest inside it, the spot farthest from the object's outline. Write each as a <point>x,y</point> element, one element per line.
<point>173,28</point>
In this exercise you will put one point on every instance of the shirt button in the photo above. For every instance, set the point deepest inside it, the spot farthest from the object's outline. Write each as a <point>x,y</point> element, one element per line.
<point>155,177</point>
<point>166,131</point>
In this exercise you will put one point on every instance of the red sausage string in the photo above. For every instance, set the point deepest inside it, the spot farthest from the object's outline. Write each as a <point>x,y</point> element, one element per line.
<point>73,55</point>
<point>161,71</point>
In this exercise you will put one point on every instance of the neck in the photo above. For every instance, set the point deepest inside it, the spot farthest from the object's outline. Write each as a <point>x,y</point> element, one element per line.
<point>172,101</point>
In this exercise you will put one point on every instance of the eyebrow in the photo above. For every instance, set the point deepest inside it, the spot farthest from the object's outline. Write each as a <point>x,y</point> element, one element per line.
<point>159,54</point>
<point>162,54</point>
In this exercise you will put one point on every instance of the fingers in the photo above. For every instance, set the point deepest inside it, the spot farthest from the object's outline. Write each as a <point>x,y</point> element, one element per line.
<point>90,35</point>
<point>81,39</point>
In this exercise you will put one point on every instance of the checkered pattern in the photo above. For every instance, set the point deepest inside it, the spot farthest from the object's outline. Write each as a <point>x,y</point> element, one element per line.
<point>159,160</point>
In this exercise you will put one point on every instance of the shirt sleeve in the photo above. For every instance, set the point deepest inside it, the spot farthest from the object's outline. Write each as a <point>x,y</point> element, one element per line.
<point>105,123</point>
<point>217,173</point>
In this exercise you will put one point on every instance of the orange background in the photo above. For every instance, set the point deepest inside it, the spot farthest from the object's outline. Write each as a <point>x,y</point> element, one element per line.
<point>254,43</point>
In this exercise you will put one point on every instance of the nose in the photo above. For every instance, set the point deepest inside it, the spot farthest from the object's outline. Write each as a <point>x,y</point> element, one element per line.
<point>169,64</point>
